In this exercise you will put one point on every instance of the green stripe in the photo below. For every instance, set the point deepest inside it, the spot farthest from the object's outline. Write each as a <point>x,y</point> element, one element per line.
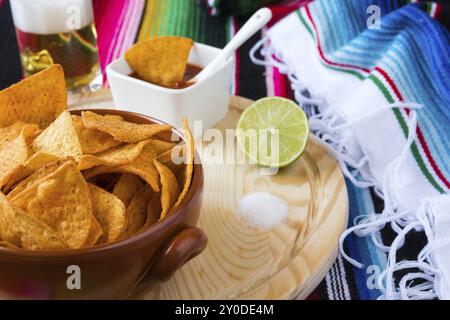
<point>404,126</point>
<point>401,120</point>
<point>429,7</point>
<point>383,89</point>
<point>164,21</point>
<point>299,13</point>
<point>228,28</point>
<point>415,151</point>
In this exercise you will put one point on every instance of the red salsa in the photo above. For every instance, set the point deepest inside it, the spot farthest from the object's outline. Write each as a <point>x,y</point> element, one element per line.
<point>191,71</point>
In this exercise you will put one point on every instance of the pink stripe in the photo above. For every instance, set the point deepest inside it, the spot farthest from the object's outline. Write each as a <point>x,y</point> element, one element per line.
<point>279,83</point>
<point>107,19</point>
<point>135,20</point>
<point>132,18</point>
<point>117,32</point>
<point>122,31</point>
<point>117,23</point>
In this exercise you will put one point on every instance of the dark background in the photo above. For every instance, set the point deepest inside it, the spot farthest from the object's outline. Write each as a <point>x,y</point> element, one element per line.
<point>10,69</point>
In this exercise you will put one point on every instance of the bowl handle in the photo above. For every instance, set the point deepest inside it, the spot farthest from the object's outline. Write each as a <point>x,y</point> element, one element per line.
<point>184,246</point>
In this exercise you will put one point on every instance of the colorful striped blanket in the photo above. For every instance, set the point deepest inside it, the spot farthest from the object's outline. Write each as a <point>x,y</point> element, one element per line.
<point>378,96</point>
<point>406,61</point>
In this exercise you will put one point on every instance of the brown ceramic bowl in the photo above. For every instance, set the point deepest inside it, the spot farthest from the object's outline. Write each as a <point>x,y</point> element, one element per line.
<point>116,270</point>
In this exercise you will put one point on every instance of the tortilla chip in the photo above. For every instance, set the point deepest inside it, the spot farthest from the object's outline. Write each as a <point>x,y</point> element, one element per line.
<point>169,188</point>
<point>38,99</point>
<point>137,211</point>
<point>22,231</point>
<point>114,157</point>
<point>14,155</point>
<point>153,209</point>
<point>95,233</point>
<point>92,140</point>
<point>110,213</point>
<point>160,60</point>
<point>161,146</point>
<point>31,132</point>
<point>7,215</point>
<point>36,177</point>
<point>173,158</point>
<point>36,162</point>
<point>59,139</point>
<point>126,187</point>
<point>141,166</point>
<point>36,235</point>
<point>61,200</point>
<point>122,130</point>
<point>189,162</point>
<point>8,134</point>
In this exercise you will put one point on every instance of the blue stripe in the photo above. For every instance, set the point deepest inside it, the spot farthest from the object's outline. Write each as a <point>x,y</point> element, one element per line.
<point>362,249</point>
<point>413,48</point>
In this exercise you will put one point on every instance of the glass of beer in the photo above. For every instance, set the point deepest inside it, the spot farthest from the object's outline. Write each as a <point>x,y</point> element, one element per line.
<point>58,31</point>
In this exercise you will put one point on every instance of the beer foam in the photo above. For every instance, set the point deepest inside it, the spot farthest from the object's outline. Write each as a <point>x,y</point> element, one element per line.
<point>51,16</point>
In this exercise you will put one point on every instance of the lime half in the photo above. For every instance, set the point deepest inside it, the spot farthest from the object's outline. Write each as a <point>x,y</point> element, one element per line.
<point>273,132</point>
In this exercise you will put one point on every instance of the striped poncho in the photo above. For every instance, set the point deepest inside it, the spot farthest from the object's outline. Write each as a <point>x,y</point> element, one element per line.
<point>378,95</point>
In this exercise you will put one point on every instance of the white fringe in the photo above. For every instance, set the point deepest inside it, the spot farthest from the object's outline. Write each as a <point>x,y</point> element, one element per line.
<point>334,132</point>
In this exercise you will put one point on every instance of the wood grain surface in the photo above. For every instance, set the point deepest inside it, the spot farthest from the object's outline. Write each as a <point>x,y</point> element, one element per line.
<point>240,262</point>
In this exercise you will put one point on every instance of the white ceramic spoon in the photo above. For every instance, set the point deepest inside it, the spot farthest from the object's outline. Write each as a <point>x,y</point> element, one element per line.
<point>253,25</point>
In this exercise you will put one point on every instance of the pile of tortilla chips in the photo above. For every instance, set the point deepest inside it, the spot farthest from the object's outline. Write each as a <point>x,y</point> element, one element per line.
<point>70,181</point>
<point>160,60</point>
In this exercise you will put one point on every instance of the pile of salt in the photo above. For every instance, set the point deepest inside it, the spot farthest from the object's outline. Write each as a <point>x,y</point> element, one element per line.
<point>262,210</point>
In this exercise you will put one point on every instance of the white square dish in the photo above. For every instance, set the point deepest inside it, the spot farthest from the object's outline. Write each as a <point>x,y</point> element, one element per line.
<point>206,101</point>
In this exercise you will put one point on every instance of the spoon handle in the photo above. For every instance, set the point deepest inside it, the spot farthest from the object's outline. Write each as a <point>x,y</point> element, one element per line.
<point>253,25</point>
<point>258,20</point>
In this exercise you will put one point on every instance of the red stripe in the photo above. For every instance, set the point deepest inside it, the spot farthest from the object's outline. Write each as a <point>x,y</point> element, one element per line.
<point>342,65</point>
<point>437,14</point>
<point>430,158</point>
<point>281,10</point>
<point>391,83</point>
<point>418,131</point>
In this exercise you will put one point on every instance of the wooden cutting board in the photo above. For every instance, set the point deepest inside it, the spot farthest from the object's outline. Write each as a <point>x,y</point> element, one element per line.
<point>285,262</point>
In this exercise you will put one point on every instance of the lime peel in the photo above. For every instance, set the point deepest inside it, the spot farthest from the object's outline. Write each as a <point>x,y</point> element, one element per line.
<point>269,116</point>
